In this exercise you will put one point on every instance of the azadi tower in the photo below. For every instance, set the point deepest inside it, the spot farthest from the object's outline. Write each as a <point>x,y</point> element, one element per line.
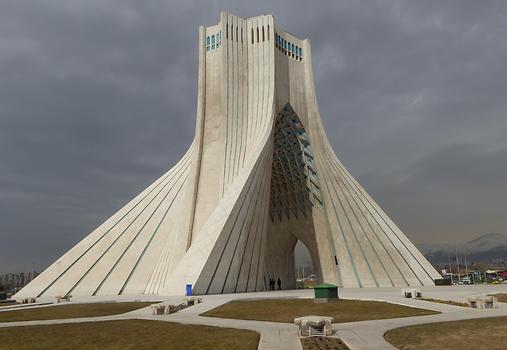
<point>259,175</point>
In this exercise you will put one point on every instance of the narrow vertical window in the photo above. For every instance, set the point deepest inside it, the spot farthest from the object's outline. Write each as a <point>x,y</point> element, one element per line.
<point>268,32</point>
<point>257,34</point>
<point>242,35</point>
<point>207,43</point>
<point>237,34</point>
<point>212,42</point>
<point>227,30</point>
<point>252,36</point>
<point>232,32</point>
<point>263,38</point>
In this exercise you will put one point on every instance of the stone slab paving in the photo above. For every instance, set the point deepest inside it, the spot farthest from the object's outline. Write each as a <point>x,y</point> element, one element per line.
<point>23,306</point>
<point>363,335</point>
<point>274,335</point>
<point>369,335</point>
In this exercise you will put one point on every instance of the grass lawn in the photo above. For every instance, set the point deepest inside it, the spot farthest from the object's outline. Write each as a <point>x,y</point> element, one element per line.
<point>502,297</point>
<point>126,335</point>
<point>70,311</point>
<point>323,343</point>
<point>486,333</point>
<point>449,302</point>
<point>287,310</point>
<point>9,303</point>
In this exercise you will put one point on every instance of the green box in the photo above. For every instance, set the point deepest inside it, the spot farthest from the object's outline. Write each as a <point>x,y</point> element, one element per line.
<point>326,291</point>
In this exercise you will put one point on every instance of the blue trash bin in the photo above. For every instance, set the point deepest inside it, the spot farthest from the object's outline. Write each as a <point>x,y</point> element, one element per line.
<point>189,290</point>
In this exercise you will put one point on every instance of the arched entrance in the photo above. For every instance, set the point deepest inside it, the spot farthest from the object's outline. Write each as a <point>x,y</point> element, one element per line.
<point>295,200</point>
<point>303,265</point>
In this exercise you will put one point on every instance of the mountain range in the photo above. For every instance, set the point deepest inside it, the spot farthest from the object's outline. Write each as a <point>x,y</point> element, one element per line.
<point>488,248</point>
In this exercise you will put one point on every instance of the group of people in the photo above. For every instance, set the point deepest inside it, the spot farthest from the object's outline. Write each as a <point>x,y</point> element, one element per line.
<point>272,283</point>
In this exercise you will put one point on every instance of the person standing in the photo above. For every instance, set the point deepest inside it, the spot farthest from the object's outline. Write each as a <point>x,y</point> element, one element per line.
<point>279,282</point>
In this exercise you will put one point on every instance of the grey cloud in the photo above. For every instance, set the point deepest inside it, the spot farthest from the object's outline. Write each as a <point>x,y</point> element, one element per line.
<point>97,99</point>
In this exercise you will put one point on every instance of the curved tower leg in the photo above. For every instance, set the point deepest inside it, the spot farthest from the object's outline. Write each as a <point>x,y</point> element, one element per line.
<point>259,175</point>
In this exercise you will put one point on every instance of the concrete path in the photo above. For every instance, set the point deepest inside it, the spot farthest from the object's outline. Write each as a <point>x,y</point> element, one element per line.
<point>274,335</point>
<point>364,335</point>
<point>369,335</point>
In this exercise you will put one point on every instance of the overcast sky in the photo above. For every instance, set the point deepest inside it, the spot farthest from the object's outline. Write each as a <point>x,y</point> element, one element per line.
<point>98,99</point>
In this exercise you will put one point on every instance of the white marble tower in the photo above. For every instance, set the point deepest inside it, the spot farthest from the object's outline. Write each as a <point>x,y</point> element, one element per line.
<point>259,176</point>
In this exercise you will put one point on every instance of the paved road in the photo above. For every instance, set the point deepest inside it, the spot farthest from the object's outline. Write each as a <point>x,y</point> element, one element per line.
<point>364,335</point>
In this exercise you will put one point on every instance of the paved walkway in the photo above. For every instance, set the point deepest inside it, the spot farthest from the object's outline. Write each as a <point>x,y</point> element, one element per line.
<point>363,335</point>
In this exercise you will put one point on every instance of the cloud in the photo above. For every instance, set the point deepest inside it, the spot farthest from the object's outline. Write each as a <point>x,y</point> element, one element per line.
<point>97,99</point>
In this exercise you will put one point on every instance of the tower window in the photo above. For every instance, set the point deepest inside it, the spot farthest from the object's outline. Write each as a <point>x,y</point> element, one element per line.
<point>232,34</point>
<point>263,38</point>
<point>257,34</point>
<point>268,32</point>
<point>237,34</point>
<point>242,35</point>
<point>252,36</point>
<point>227,30</point>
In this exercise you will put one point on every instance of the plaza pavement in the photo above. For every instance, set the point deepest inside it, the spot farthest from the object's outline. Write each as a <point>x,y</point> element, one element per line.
<point>361,335</point>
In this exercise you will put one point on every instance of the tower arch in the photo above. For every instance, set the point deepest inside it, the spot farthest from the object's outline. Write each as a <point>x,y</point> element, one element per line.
<point>259,175</point>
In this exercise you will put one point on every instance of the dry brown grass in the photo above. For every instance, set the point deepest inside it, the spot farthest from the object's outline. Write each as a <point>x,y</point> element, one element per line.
<point>70,311</point>
<point>287,310</point>
<point>502,297</point>
<point>8,303</point>
<point>126,335</point>
<point>478,334</point>
<point>449,302</point>
<point>323,343</point>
